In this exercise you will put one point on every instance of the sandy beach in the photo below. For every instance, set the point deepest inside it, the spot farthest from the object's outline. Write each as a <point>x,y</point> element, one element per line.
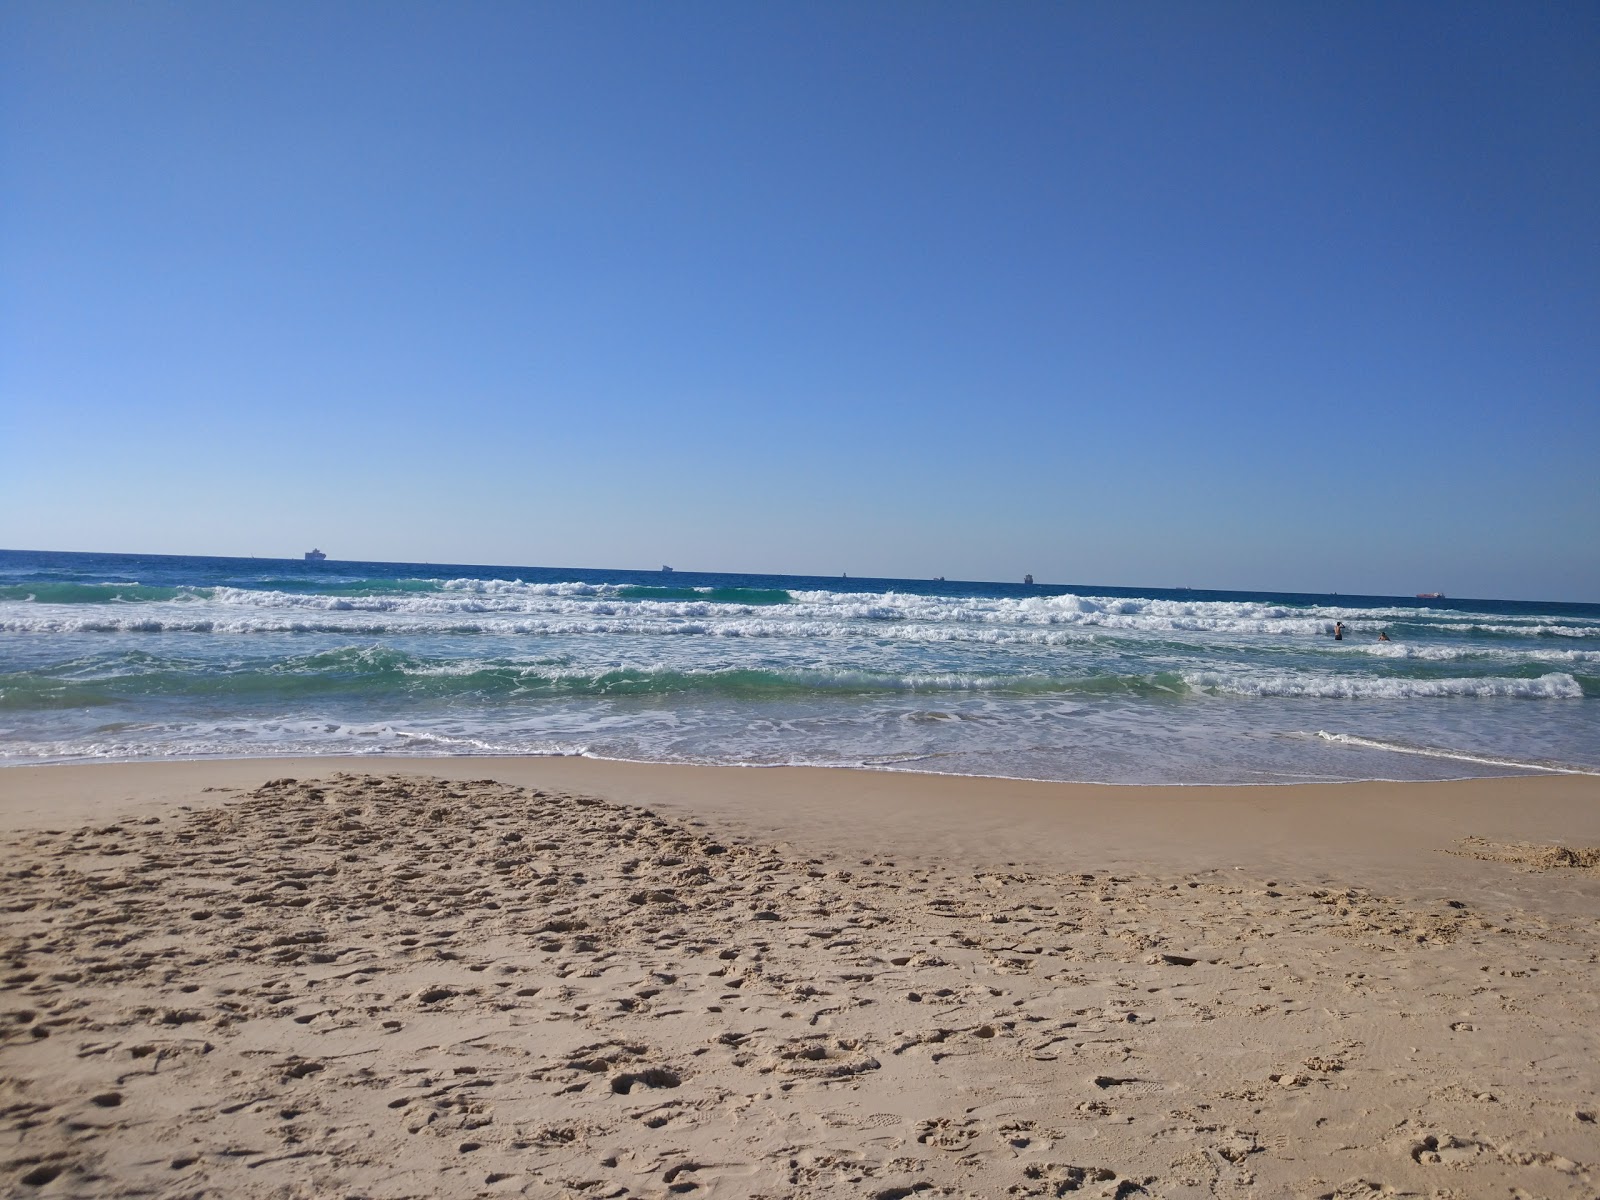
<point>1102,495</point>
<point>462,977</point>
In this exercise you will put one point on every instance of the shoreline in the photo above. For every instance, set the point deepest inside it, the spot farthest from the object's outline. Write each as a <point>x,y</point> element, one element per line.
<point>1375,828</point>
<point>1513,768</point>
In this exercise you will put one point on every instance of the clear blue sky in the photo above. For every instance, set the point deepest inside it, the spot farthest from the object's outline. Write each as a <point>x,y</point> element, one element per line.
<point>1232,295</point>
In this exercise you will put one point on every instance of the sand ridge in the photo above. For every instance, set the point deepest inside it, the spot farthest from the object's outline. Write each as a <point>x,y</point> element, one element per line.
<point>401,986</point>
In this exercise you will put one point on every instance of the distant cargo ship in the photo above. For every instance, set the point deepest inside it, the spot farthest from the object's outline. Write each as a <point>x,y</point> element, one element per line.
<point>1430,595</point>
<point>315,556</point>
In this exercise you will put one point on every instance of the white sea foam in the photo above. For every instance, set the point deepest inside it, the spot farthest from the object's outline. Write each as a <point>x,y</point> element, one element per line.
<point>366,625</point>
<point>286,737</point>
<point>576,600</point>
<point>1433,652</point>
<point>1528,629</point>
<point>1349,739</point>
<point>1555,686</point>
<point>503,607</point>
<point>667,675</point>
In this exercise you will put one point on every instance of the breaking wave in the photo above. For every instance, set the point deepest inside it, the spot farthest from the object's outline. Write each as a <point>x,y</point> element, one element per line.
<point>378,672</point>
<point>125,657</point>
<point>450,605</point>
<point>1555,686</point>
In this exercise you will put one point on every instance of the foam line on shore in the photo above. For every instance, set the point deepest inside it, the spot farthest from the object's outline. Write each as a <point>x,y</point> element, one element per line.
<point>1350,739</point>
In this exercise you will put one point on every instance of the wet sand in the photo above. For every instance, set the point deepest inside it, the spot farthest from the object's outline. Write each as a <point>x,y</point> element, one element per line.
<point>563,977</point>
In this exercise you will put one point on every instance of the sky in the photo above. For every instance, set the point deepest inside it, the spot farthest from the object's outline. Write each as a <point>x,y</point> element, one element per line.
<point>1289,297</point>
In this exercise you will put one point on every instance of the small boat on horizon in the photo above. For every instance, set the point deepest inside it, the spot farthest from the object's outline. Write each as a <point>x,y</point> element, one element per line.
<point>1430,596</point>
<point>315,556</point>
<point>666,570</point>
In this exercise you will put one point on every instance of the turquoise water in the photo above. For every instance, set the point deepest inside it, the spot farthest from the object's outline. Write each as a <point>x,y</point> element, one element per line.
<point>127,657</point>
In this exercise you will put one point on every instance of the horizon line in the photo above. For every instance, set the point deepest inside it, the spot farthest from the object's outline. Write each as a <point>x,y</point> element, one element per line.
<point>1076,588</point>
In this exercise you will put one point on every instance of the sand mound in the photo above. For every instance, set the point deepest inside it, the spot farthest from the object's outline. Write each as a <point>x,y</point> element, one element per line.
<point>1540,858</point>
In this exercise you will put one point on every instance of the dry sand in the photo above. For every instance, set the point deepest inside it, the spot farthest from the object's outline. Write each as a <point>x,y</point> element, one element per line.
<point>461,978</point>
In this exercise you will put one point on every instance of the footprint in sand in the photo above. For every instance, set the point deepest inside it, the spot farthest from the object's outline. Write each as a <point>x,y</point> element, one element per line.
<point>943,1133</point>
<point>1057,1179</point>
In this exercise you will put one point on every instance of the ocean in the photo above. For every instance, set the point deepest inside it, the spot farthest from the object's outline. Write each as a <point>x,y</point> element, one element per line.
<point>125,657</point>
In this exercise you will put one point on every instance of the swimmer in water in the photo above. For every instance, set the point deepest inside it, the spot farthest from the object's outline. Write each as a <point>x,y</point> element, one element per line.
<point>1338,631</point>
<point>1383,635</point>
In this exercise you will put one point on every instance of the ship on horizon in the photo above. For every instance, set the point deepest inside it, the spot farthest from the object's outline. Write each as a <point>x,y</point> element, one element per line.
<point>315,556</point>
<point>1430,595</point>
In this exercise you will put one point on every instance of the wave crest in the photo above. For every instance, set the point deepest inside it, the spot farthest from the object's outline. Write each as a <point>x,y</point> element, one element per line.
<point>1554,686</point>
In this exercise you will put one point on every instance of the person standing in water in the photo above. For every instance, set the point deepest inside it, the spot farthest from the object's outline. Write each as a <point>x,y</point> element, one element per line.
<point>1338,631</point>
